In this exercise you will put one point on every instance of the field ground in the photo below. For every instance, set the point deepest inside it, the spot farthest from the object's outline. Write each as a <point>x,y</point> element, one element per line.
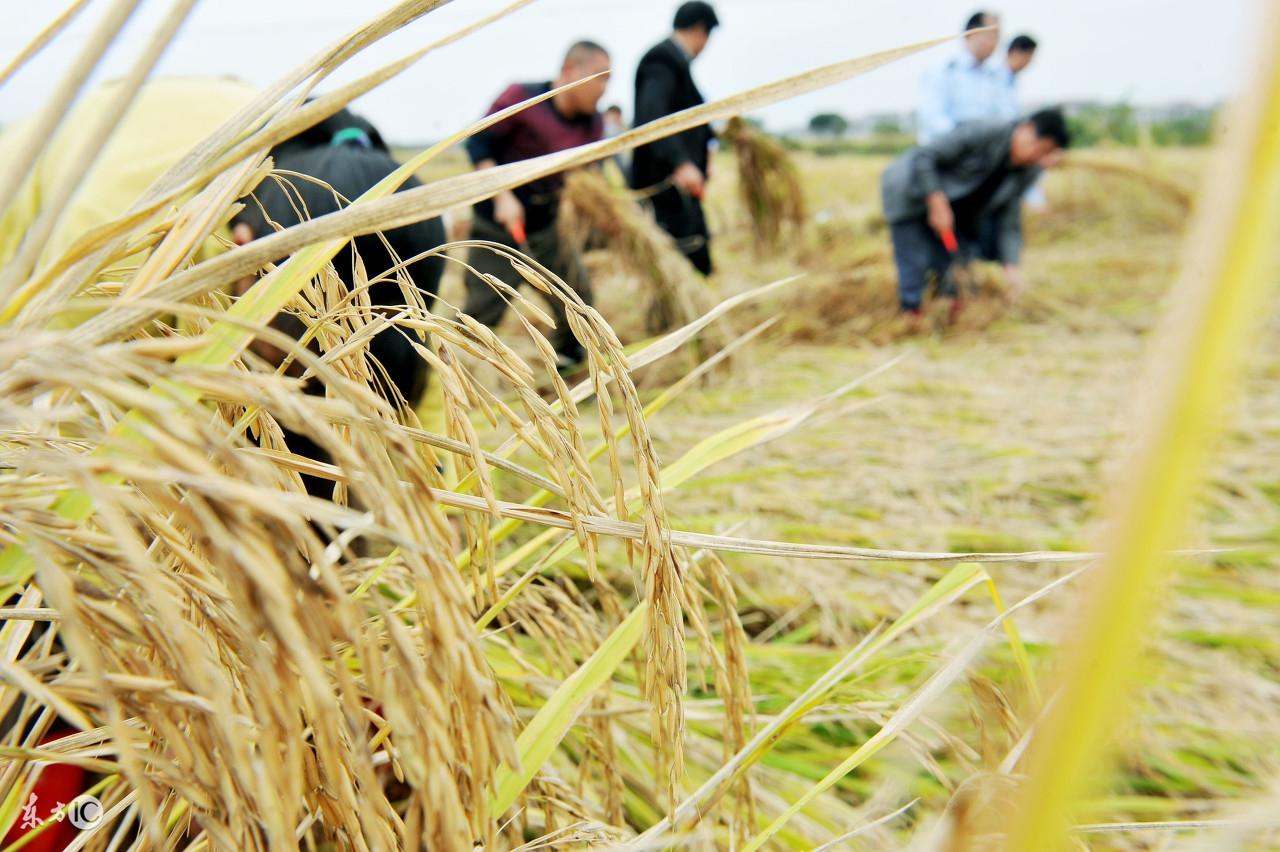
<point>990,438</point>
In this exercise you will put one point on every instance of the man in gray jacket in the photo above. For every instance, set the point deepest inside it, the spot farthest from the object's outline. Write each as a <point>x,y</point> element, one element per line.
<point>936,196</point>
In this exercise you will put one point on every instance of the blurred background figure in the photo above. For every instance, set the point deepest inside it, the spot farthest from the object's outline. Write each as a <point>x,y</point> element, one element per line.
<point>1022,49</point>
<point>967,87</point>
<point>525,218</point>
<point>168,118</point>
<point>614,125</point>
<point>937,197</point>
<point>346,157</point>
<point>675,168</point>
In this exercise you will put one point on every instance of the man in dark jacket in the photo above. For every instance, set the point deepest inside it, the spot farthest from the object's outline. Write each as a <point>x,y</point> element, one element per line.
<point>675,168</point>
<point>525,218</point>
<point>936,197</point>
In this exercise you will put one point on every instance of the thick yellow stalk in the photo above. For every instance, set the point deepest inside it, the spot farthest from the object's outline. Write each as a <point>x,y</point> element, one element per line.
<point>1223,290</point>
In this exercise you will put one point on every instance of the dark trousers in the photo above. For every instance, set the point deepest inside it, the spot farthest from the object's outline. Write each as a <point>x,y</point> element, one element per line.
<point>681,216</point>
<point>920,254</point>
<point>486,305</point>
<point>988,239</point>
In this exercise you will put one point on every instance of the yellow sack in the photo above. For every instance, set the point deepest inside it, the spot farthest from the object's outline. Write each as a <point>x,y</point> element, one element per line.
<point>167,119</point>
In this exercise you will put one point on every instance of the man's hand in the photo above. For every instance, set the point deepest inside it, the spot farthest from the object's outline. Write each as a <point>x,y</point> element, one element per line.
<point>1013,282</point>
<point>941,219</point>
<point>689,179</point>
<point>507,210</point>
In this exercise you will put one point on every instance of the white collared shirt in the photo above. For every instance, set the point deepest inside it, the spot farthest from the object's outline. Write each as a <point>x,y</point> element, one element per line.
<point>962,90</point>
<point>1009,94</point>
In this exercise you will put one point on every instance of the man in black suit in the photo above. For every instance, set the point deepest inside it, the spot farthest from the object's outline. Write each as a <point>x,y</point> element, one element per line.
<point>675,168</point>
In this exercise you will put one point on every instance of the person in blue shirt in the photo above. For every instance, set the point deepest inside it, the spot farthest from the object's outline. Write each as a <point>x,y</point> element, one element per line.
<point>968,87</point>
<point>1022,49</point>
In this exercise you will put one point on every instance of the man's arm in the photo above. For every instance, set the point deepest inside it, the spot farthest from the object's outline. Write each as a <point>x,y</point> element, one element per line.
<point>482,148</point>
<point>926,165</point>
<point>485,145</point>
<point>507,209</point>
<point>1007,91</point>
<point>655,91</point>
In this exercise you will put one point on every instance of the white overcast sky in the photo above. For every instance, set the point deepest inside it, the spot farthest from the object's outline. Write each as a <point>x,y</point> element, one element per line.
<point>1143,51</point>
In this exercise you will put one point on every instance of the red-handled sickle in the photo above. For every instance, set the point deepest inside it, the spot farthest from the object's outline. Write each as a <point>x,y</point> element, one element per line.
<point>950,242</point>
<point>516,230</point>
<point>960,269</point>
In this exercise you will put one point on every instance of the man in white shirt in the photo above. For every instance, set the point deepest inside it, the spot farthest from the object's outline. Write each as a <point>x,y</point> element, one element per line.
<point>968,87</point>
<point>1021,51</point>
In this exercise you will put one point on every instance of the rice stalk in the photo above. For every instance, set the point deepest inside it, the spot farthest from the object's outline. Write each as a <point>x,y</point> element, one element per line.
<point>1173,191</point>
<point>60,100</point>
<point>46,35</point>
<point>955,666</point>
<point>955,583</point>
<point>212,157</point>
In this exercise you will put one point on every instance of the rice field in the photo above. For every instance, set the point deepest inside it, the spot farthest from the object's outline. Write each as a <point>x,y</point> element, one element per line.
<point>996,436</point>
<point>780,577</point>
<point>1000,439</point>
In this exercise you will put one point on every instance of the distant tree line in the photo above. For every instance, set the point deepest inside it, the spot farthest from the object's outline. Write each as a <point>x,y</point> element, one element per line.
<point>1091,124</point>
<point>1121,124</point>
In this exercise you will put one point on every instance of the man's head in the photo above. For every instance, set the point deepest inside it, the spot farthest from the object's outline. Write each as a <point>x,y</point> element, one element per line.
<point>694,23</point>
<point>584,59</point>
<point>1039,138</point>
<point>982,45</point>
<point>613,116</point>
<point>1021,51</point>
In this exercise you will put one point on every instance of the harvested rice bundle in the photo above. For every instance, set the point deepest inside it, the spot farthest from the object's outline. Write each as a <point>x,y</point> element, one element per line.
<point>769,183</point>
<point>592,213</point>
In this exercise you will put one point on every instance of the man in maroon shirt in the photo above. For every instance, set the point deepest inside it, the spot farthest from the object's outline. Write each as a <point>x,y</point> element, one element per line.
<point>568,120</point>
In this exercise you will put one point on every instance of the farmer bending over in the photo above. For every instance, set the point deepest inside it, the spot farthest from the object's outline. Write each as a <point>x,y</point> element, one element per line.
<point>937,195</point>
